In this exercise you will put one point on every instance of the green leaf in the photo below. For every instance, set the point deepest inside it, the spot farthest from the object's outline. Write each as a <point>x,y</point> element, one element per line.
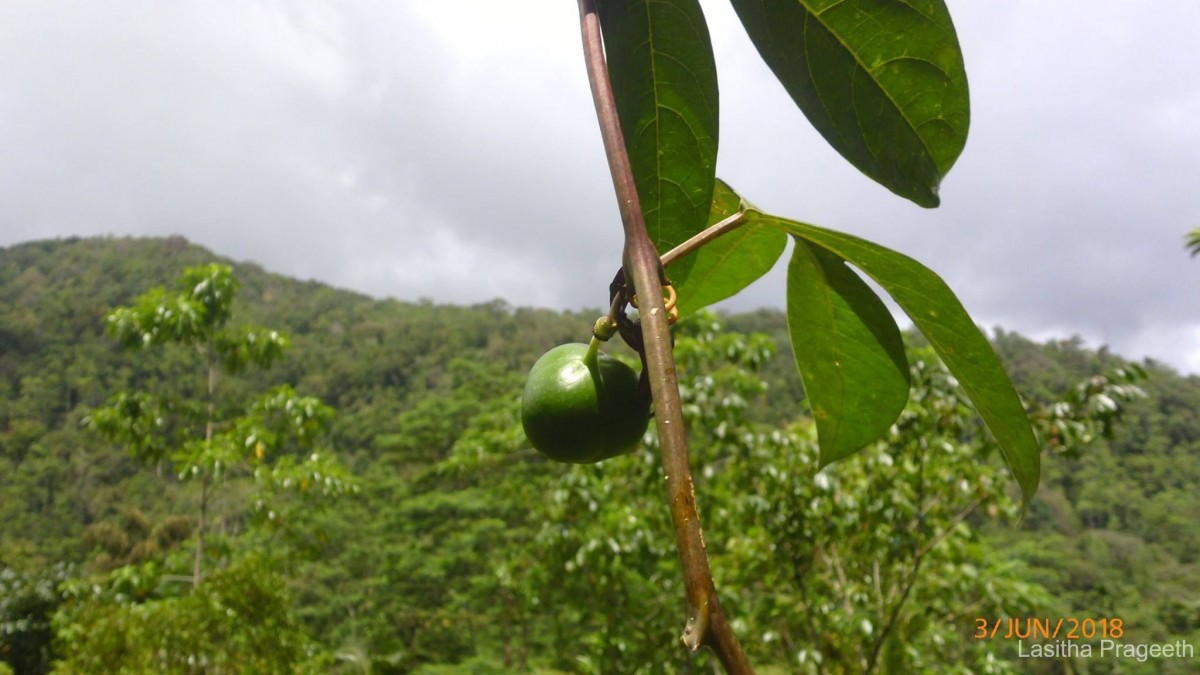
<point>724,266</point>
<point>212,288</point>
<point>664,80</point>
<point>882,81</point>
<point>848,349</point>
<point>1192,243</point>
<point>202,303</point>
<point>242,347</point>
<point>939,315</point>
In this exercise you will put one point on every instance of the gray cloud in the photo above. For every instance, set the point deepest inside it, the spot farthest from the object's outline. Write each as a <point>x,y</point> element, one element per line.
<point>449,151</point>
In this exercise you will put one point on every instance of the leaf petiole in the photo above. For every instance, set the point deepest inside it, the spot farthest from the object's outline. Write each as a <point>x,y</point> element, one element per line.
<point>705,236</point>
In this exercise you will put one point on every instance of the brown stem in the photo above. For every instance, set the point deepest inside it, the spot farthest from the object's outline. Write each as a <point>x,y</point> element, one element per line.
<point>706,623</point>
<point>209,428</point>
<point>198,563</point>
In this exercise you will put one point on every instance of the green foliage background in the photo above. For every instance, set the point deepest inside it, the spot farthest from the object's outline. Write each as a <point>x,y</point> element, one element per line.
<point>465,550</point>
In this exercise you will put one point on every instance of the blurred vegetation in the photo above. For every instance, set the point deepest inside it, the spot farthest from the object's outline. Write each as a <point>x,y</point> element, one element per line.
<point>463,550</point>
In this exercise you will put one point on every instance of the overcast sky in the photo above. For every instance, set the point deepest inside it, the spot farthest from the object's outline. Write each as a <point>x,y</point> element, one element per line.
<point>449,150</point>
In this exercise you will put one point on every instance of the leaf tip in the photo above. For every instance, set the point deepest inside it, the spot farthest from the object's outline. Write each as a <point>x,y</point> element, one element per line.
<point>1029,487</point>
<point>928,198</point>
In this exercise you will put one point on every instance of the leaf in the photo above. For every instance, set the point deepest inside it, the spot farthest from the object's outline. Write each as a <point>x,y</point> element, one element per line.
<point>939,315</point>
<point>664,80</point>
<point>724,266</point>
<point>882,81</point>
<point>1192,243</point>
<point>848,349</point>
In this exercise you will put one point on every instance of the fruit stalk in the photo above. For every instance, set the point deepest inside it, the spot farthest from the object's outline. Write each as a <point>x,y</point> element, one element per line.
<point>706,624</point>
<point>589,359</point>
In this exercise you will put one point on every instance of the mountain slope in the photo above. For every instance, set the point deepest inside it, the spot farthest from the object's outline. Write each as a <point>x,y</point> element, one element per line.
<point>1113,529</point>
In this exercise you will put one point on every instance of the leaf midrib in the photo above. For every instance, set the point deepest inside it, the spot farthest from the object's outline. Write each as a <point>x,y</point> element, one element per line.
<point>807,5</point>
<point>658,154</point>
<point>835,335</point>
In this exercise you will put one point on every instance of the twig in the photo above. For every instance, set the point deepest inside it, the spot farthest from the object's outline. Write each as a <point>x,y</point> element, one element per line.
<point>949,529</point>
<point>911,581</point>
<point>706,623</point>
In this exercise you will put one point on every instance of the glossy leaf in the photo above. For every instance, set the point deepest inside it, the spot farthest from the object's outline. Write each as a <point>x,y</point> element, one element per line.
<point>939,315</point>
<point>664,80</point>
<point>848,349</point>
<point>724,266</point>
<point>882,81</point>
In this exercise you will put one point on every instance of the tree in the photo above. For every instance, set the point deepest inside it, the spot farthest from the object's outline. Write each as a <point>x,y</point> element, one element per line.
<point>132,618</point>
<point>27,603</point>
<point>1192,243</point>
<point>239,621</point>
<point>273,438</point>
<point>885,85</point>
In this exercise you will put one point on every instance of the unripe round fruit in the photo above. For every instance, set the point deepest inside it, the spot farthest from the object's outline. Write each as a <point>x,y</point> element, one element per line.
<point>575,413</point>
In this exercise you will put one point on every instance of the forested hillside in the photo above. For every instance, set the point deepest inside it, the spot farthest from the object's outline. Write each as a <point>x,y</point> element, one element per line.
<point>455,546</point>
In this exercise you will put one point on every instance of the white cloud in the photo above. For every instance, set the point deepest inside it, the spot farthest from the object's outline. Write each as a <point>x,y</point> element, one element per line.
<point>450,150</point>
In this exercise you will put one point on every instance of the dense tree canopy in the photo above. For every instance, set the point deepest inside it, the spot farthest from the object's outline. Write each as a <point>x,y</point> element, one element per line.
<point>464,548</point>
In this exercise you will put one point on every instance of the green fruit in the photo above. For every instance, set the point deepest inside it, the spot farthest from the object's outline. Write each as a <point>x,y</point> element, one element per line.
<point>578,412</point>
